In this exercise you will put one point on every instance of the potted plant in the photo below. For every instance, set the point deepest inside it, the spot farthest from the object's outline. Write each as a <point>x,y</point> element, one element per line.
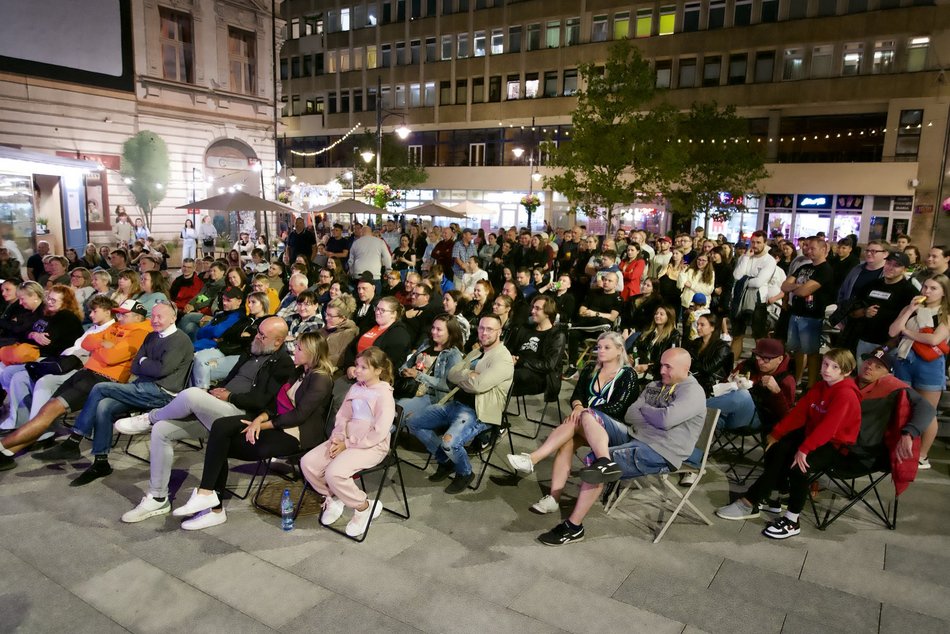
<point>42,224</point>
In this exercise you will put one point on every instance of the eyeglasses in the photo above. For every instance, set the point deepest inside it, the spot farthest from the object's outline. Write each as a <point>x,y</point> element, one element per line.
<point>380,309</point>
<point>876,250</point>
<point>764,359</point>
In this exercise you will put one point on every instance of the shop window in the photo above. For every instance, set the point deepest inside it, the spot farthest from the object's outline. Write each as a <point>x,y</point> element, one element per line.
<point>514,39</point>
<point>769,10</point>
<point>687,74</point>
<point>712,70</point>
<point>664,69</point>
<point>552,34</point>
<point>883,58</point>
<point>644,22</point>
<point>738,65</point>
<point>917,54</point>
<point>178,45</point>
<point>821,61</point>
<point>764,67</point>
<point>908,135</point>
<point>794,65</point>
<point>550,83</point>
<point>534,37</point>
<point>743,13</point>
<point>622,25</point>
<point>667,20</point>
<point>598,29</point>
<point>691,13</point>
<point>478,44</point>
<point>717,14</point>
<point>570,82</point>
<point>572,31</point>
<point>851,58</point>
<point>497,41</point>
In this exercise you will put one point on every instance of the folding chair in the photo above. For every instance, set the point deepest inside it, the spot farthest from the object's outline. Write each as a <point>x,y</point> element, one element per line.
<point>843,477</point>
<point>521,409</point>
<point>733,442</point>
<point>589,341</point>
<point>703,443</point>
<point>391,460</point>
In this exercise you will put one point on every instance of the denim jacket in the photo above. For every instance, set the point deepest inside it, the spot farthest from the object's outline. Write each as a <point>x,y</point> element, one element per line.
<point>436,380</point>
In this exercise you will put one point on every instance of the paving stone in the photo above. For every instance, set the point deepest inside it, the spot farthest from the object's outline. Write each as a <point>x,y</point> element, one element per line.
<point>338,614</point>
<point>918,565</point>
<point>894,620</point>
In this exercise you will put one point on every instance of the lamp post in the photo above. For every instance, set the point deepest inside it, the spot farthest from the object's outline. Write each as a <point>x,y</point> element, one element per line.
<point>401,131</point>
<point>535,175</point>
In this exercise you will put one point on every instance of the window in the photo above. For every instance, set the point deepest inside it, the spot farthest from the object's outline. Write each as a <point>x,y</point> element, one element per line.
<point>712,70</point>
<point>883,60</point>
<point>917,54</point>
<point>415,9</point>
<point>717,14</point>
<point>178,45</point>
<point>463,45</point>
<point>531,83</point>
<point>284,108</point>
<point>738,62</point>
<point>371,60</point>
<point>622,25</point>
<point>827,7</point>
<point>415,155</point>
<point>332,58</point>
<point>857,6</point>
<point>743,13</point>
<point>497,41</point>
<point>307,65</point>
<point>445,93</point>
<point>769,10</point>
<point>344,61</point>
<point>668,19</point>
<point>387,56</point>
<point>764,67</point>
<point>294,68</point>
<point>242,61</point>
<point>344,102</point>
<point>534,37</point>
<point>514,39</point>
<point>550,83</point>
<point>448,7</point>
<point>431,54</point>
<point>821,61</point>
<point>415,95</point>
<point>797,9</point>
<point>371,98</point>
<point>414,52</point>
<point>687,76</point>
<point>463,6</point>
<point>494,88</point>
<point>478,89</point>
<point>644,22</point>
<point>570,82</point>
<point>794,66</point>
<point>331,103</point>
<point>284,74</point>
<point>446,47</point>
<point>357,100</point>
<point>318,65</point>
<point>310,107</point>
<point>428,94</point>
<point>664,69</point>
<point>371,19</point>
<point>479,44</point>
<point>344,19</point>
<point>476,154</point>
<point>851,58</point>
<point>400,96</point>
<point>400,58</point>
<point>400,10</point>
<point>295,105</point>
<point>908,134</point>
<point>461,91</point>
<point>552,34</point>
<point>295,28</point>
<point>359,16</point>
<point>598,29</point>
<point>691,13</point>
<point>387,11</point>
<point>572,32</point>
<point>513,87</point>
<point>358,58</point>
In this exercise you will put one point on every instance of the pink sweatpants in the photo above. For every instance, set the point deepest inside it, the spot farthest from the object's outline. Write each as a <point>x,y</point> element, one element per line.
<point>334,476</point>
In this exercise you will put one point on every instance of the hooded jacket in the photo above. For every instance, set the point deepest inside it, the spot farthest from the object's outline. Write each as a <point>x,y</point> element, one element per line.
<point>772,407</point>
<point>829,413</point>
<point>115,361</point>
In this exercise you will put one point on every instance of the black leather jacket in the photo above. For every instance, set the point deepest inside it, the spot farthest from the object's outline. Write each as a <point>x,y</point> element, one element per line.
<point>712,365</point>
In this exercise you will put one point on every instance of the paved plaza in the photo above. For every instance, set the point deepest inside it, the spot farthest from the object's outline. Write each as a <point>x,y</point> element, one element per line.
<point>468,563</point>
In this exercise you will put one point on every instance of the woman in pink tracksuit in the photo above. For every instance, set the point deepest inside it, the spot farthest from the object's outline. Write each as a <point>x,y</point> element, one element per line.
<point>360,440</point>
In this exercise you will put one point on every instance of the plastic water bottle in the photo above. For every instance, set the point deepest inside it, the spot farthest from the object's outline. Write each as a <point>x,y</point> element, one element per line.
<point>286,511</point>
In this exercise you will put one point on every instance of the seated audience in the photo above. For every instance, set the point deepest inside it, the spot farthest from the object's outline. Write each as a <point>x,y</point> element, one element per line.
<point>538,352</point>
<point>340,331</point>
<point>425,372</point>
<point>712,357</point>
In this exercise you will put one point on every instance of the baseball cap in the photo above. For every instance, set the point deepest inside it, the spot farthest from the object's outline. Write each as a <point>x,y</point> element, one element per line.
<point>366,277</point>
<point>664,239</point>
<point>769,348</point>
<point>232,292</point>
<point>899,257</point>
<point>131,306</point>
<point>699,298</point>
<point>882,355</point>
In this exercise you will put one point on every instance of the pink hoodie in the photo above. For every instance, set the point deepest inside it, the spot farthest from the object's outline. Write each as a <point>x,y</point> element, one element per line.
<point>366,417</point>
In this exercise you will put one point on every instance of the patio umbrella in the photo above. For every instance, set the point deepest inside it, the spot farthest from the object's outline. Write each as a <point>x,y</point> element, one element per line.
<point>239,201</point>
<point>474,210</point>
<point>435,210</point>
<point>349,206</point>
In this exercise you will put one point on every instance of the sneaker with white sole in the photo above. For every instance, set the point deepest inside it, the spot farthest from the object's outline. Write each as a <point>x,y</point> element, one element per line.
<point>332,510</point>
<point>688,479</point>
<point>562,534</point>
<point>546,505</point>
<point>148,507</point>
<point>205,519</point>
<point>738,511</point>
<point>360,520</point>
<point>773,506</point>
<point>782,528</point>
<point>521,462</point>
<point>133,425</point>
<point>197,503</point>
<point>923,463</point>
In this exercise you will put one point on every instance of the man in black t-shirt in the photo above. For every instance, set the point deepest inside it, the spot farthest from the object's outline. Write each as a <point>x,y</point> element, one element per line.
<point>337,246</point>
<point>811,290</point>
<point>599,308</point>
<point>301,241</point>
<point>35,268</point>
<point>538,351</point>
<point>878,304</point>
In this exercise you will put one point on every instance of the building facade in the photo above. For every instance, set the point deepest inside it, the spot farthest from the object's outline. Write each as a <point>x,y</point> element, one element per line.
<point>198,73</point>
<point>847,99</point>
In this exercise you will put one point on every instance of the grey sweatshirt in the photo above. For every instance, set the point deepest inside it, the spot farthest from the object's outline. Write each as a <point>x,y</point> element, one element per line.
<point>369,253</point>
<point>669,419</point>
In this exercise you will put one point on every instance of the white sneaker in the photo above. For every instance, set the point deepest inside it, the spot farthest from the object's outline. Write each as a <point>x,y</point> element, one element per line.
<point>687,479</point>
<point>521,462</point>
<point>332,510</point>
<point>923,463</point>
<point>546,505</point>
<point>197,503</point>
<point>147,508</point>
<point>360,520</point>
<point>205,519</point>
<point>133,425</point>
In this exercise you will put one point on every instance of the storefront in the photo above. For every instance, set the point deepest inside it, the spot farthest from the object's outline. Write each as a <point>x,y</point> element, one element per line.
<point>794,216</point>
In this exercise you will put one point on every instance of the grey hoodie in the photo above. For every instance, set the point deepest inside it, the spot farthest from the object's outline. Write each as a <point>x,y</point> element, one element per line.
<point>669,419</point>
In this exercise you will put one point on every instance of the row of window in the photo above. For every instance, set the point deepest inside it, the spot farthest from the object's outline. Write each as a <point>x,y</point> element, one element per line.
<point>177,40</point>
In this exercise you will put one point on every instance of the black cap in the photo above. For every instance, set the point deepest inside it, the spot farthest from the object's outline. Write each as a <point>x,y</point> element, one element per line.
<point>232,292</point>
<point>366,277</point>
<point>883,356</point>
<point>899,257</point>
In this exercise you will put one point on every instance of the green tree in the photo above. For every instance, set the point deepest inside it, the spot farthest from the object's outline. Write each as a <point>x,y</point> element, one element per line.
<point>145,170</point>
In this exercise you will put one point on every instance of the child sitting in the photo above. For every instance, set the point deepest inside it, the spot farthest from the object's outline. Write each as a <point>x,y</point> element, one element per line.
<point>698,308</point>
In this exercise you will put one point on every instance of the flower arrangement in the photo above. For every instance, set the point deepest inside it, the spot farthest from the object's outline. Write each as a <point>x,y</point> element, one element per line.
<point>284,197</point>
<point>379,195</point>
<point>530,202</point>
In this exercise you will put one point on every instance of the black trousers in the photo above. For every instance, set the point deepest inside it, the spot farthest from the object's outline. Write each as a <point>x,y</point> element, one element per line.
<point>778,468</point>
<point>226,440</point>
<point>528,382</point>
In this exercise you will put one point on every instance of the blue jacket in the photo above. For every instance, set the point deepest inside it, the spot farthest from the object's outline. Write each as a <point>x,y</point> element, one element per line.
<point>207,335</point>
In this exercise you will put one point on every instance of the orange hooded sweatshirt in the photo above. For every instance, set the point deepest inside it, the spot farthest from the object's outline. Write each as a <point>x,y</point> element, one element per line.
<point>115,361</point>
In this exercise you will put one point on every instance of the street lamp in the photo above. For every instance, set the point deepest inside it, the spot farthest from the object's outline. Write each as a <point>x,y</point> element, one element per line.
<point>535,175</point>
<point>350,176</point>
<point>402,131</point>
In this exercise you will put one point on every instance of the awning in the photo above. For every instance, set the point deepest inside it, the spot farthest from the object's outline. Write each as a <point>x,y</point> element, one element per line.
<point>16,161</point>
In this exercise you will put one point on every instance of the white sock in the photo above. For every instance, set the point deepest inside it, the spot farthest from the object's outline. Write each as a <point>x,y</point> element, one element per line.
<point>5,451</point>
<point>791,516</point>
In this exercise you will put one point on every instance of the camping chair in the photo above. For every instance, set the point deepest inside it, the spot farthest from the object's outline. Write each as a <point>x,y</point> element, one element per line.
<point>843,477</point>
<point>739,443</point>
<point>703,443</point>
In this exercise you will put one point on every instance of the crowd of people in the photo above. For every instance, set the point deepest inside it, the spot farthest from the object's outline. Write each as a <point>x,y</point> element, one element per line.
<point>310,352</point>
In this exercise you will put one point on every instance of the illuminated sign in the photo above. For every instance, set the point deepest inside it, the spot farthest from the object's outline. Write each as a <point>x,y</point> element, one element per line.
<point>814,201</point>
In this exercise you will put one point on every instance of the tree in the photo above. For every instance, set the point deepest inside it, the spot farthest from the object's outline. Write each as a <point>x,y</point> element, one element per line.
<point>397,171</point>
<point>145,170</point>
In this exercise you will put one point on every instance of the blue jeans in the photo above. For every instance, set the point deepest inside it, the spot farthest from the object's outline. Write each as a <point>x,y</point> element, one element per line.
<point>804,334</point>
<point>211,365</point>
<point>634,457</point>
<point>736,410</point>
<point>454,420</point>
<point>108,401</point>
<point>189,323</point>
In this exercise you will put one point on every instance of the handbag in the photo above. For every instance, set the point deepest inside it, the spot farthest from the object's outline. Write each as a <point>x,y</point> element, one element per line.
<point>52,366</point>
<point>923,350</point>
<point>208,242</point>
<point>19,353</point>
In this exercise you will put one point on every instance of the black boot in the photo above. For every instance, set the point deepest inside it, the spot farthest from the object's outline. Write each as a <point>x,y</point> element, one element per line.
<point>99,469</point>
<point>63,452</point>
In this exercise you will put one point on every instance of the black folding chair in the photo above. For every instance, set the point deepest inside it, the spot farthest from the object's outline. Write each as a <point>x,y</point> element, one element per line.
<point>843,477</point>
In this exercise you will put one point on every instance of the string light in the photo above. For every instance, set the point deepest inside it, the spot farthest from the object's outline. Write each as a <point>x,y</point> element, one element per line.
<point>329,147</point>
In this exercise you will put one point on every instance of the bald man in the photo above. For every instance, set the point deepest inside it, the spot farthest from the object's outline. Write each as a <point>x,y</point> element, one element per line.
<point>663,426</point>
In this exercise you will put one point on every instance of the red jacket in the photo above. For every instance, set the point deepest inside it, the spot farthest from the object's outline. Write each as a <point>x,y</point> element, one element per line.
<point>875,395</point>
<point>829,413</point>
<point>632,271</point>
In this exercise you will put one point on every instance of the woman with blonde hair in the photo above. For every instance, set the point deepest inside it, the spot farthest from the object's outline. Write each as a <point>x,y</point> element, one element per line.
<point>80,281</point>
<point>339,329</point>
<point>360,439</point>
<point>293,423</point>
